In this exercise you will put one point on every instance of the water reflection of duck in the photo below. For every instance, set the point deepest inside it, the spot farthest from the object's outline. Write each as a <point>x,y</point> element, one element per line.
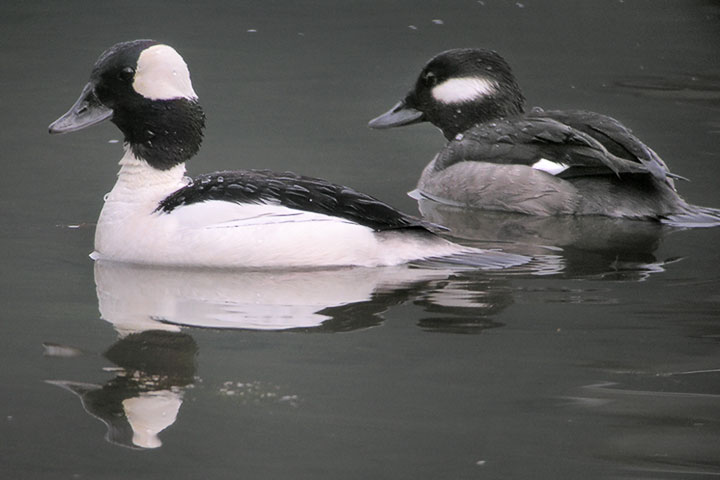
<point>151,308</point>
<point>136,298</point>
<point>571,246</point>
<point>145,395</point>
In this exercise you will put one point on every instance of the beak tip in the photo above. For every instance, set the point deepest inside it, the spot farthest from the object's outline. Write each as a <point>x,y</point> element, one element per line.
<point>87,111</point>
<point>58,126</point>
<point>375,124</point>
<point>399,115</point>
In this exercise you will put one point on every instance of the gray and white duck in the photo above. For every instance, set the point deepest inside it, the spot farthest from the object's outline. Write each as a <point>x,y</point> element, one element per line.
<point>539,162</point>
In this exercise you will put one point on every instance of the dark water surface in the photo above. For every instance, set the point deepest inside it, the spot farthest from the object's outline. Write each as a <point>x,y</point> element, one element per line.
<point>601,360</point>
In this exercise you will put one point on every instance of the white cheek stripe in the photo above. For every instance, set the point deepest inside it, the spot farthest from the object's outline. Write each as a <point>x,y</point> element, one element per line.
<point>162,74</point>
<point>458,90</point>
<point>553,168</point>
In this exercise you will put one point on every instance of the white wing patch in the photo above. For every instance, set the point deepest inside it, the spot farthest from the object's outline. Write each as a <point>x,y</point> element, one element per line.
<point>221,233</point>
<point>465,89</point>
<point>553,168</point>
<point>162,74</point>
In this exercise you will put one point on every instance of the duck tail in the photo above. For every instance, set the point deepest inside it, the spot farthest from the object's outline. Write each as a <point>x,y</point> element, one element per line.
<point>475,258</point>
<point>693,217</point>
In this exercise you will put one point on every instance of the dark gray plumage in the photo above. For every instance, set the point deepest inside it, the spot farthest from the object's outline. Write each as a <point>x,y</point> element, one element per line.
<point>500,157</point>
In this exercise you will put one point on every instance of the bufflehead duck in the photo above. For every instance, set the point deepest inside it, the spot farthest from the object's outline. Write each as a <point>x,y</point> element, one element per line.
<point>499,157</point>
<point>254,218</point>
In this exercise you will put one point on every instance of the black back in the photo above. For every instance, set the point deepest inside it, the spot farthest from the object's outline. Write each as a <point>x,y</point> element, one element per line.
<point>297,192</point>
<point>600,146</point>
<point>613,135</point>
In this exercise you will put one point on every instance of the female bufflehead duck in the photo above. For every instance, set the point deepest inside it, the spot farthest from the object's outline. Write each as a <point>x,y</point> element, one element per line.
<point>156,215</point>
<point>499,157</point>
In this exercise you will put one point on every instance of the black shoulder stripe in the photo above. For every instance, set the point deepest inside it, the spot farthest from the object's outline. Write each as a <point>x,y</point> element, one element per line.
<point>615,137</point>
<point>293,191</point>
<point>525,140</point>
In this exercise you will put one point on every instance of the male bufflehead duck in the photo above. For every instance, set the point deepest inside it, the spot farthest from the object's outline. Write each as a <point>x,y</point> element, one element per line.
<point>499,157</point>
<point>255,218</point>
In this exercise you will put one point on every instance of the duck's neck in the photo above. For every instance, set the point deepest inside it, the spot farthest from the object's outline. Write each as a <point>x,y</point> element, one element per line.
<point>165,133</point>
<point>126,226</point>
<point>138,181</point>
<point>466,116</point>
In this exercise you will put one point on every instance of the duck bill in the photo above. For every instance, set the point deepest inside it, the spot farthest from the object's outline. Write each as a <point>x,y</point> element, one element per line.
<point>399,115</point>
<point>87,111</point>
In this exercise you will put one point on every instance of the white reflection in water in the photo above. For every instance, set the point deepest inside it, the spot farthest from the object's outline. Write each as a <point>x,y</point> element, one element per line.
<point>150,413</point>
<point>151,308</point>
<point>136,298</point>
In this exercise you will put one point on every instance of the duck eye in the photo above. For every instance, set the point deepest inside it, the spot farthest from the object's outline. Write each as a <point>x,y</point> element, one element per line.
<point>429,79</point>
<point>126,74</point>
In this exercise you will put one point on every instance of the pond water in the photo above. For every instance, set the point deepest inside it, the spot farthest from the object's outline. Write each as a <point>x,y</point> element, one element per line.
<point>600,360</point>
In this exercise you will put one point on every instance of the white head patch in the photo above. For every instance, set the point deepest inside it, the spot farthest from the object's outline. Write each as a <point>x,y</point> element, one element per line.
<point>464,89</point>
<point>162,74</point>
